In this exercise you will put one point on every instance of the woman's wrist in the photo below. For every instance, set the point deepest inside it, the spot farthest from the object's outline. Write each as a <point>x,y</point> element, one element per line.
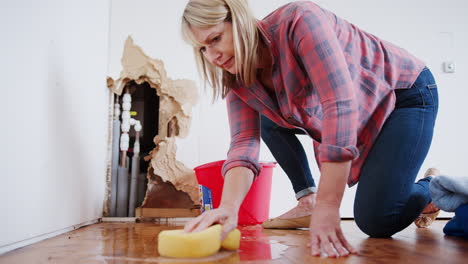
<point>326,204</point>
<point>332,184</point>
<point>230,207</point>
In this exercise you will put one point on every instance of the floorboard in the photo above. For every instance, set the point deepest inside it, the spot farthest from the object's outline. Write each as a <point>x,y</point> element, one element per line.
<point>137,243</point>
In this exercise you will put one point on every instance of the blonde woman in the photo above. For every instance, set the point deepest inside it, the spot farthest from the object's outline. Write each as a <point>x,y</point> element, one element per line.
<point>369,106</point>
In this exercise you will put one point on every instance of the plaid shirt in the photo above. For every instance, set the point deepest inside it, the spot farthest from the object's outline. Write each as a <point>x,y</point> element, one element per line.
<point>331,79</point>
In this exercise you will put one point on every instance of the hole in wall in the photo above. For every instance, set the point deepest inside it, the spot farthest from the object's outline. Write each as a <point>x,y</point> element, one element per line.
<point>144,108</point>
<point>167,104</point>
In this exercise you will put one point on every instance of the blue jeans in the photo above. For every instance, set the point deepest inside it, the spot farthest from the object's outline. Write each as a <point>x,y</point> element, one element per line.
<point>387,199</point>
<point>290,155</point>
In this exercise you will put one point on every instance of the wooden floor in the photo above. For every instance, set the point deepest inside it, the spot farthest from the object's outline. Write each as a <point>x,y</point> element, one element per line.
<point>137,243</point>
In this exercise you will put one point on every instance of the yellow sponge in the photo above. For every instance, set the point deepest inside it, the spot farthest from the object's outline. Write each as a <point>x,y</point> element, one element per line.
<point>232,241</point>
<point>177,244</point>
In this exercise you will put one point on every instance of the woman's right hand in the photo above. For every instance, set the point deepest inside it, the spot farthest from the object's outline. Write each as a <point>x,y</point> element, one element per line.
<point>237,183</point>
<point>223,215</point>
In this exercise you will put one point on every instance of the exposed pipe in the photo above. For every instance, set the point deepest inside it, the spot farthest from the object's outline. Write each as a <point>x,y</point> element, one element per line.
<point>122,181</point>
<point>125,138</point>
<point>122,191</point>
<point>115,156</point>
<point>135,169</point>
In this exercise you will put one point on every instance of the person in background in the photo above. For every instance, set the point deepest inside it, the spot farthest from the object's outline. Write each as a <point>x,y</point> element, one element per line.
<point>369,106</point>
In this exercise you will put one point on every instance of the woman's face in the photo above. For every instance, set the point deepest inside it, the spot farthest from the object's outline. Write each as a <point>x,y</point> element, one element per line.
<point>217,45</point>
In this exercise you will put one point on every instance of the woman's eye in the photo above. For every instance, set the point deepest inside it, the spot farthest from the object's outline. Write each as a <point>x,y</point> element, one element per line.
<point>215,39</point>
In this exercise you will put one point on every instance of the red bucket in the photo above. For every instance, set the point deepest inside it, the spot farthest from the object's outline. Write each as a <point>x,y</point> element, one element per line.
<point>256,206</point>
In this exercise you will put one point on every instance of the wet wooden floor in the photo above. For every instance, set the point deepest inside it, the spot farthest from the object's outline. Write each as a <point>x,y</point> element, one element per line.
<point>137,243</point>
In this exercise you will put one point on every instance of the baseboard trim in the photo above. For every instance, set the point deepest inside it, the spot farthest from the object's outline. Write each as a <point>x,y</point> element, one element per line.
<point>118,219</point>
<point>158,220</point>
<point>26,242</point>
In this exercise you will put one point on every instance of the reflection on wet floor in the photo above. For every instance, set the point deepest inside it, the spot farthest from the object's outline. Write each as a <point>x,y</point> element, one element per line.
<point>137,243</point>
<point>256,245</point>
<point>133,243</point>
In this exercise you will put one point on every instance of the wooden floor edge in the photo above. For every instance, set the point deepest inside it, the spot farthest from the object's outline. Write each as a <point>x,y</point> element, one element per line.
<point>29,241</point>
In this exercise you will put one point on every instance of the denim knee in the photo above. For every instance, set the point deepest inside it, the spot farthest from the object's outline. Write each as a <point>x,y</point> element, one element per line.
<point>377,221</point>
<point>373,226</point>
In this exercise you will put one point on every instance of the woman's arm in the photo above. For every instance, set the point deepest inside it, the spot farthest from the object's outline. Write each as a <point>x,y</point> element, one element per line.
<point>334,176</point>
<point>316,44</point>
<point>237,183</point>
<point>325,231</point>
<point>244,127</point>
<point>239,170</point>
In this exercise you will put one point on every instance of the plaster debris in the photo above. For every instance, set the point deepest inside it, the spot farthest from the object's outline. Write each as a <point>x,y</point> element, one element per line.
<point>177,98</point>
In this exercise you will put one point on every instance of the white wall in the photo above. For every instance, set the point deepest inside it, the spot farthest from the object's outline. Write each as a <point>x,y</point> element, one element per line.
<point>433,30</point>
<point>55,101</point>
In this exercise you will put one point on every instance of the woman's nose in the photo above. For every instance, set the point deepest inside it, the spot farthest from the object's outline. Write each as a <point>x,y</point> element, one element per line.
<point>213,55</point>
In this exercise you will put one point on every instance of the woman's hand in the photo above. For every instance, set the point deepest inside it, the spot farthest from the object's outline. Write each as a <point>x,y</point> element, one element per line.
<point>225,216</point>
<point>236,185</point>
<point>326,236</point>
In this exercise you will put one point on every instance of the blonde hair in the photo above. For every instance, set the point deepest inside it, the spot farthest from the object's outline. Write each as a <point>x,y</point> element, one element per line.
<point>207,13</point>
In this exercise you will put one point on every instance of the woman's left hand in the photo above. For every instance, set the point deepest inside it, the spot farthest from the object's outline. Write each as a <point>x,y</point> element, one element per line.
<point>326,236</point>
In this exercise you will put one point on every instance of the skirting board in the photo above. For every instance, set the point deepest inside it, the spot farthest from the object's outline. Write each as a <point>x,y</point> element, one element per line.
<point>166,212</point>
<point>118,219</point>
<point>174,221</point>
<point>29,241</point>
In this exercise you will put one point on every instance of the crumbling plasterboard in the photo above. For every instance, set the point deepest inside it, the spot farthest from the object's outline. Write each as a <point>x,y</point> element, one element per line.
<point>163,162</point>
<point>177,98</point>
<point>164,195</point>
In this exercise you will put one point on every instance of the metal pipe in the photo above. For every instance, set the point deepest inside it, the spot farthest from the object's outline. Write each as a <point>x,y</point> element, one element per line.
<point>122,191</point>
<point>115,157</point>
<point>135,172</point>
<point>122,178</point>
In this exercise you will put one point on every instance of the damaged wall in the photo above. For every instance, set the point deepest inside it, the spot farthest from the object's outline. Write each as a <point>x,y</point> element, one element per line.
<point>155,27</point>
<point>177,97</point>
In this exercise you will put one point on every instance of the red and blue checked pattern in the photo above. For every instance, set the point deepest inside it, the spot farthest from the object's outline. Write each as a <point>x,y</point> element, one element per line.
<point>331,79</point>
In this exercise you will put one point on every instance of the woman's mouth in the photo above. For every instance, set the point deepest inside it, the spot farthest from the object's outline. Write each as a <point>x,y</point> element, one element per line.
<point>228,63</point>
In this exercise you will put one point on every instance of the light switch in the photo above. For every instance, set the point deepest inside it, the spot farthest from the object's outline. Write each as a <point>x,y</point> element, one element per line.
<point>449,67</point>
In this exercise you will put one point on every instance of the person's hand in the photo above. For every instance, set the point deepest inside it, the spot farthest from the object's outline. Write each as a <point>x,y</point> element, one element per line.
<point>326,237</point>
<point>225,216</point>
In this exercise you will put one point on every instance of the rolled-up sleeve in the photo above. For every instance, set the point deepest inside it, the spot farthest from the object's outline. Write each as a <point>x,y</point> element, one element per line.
<point>319,50</point>
<point>244,125</point>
